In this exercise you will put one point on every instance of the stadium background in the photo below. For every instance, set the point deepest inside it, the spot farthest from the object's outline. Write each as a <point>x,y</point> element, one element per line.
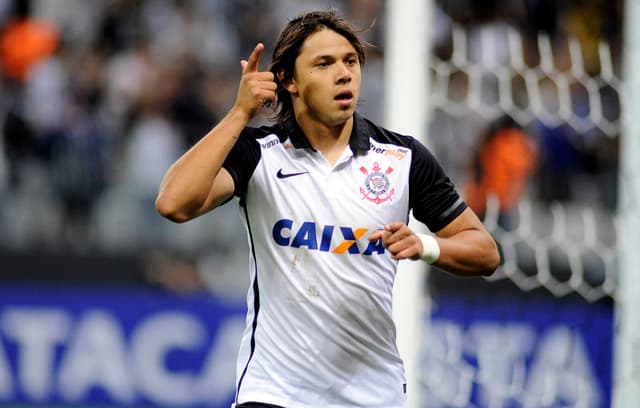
<point>104,303</point>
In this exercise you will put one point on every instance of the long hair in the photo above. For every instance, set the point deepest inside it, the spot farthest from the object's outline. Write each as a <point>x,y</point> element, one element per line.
<point>287,49</point>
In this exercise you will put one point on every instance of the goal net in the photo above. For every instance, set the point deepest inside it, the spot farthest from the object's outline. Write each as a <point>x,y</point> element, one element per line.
<point>540,331</point>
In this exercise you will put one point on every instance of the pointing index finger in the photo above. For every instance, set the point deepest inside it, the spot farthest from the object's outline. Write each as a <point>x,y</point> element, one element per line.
<point>254,59</point>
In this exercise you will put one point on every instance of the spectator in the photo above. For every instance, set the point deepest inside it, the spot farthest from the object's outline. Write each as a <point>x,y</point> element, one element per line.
<point>501,167</point>
<point>25,41</point>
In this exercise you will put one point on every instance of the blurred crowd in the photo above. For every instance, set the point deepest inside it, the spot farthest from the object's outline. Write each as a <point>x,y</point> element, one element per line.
<point>99,97</point>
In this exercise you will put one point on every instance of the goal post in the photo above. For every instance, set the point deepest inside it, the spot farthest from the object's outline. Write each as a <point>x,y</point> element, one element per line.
<point>407,54</point>
<point>627,341</point>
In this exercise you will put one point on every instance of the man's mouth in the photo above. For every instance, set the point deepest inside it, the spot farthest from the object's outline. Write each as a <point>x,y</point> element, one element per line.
<point>344,99</point>
<point>344,96</point>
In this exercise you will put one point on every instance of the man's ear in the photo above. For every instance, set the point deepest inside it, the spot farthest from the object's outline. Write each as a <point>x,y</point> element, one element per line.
<point>288,84</point>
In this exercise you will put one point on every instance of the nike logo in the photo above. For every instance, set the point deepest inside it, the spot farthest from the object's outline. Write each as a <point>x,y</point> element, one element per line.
<point>282,175</point>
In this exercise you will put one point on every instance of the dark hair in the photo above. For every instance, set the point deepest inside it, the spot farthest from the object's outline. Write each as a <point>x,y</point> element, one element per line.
<point>287,49</point>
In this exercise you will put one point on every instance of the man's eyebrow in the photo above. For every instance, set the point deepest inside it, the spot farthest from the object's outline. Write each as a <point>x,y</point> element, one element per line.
<point>333,56</point>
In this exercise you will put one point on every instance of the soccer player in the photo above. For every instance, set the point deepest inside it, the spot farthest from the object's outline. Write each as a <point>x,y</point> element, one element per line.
<point>325,196</point>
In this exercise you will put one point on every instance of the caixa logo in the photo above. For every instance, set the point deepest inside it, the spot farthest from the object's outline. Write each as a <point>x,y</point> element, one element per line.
<point>320,238</point>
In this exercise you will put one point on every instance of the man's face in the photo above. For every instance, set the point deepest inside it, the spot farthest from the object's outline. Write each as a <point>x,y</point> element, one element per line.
<point>326,81</point>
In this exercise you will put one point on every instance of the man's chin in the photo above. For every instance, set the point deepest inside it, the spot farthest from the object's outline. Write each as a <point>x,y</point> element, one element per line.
<point>342,117</point>
<point>346,113</point>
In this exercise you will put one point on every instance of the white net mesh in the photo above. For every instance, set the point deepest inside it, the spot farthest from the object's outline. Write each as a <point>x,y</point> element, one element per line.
<point>565,247</point>
<point>500,81</point>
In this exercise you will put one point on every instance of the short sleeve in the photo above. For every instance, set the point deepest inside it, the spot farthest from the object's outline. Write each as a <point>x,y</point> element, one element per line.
<point>432,195</point>
<point>243,159</point>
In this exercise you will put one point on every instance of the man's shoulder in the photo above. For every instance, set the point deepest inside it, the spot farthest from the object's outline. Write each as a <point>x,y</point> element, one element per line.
<point>258,134</point>
<point>384,135</point>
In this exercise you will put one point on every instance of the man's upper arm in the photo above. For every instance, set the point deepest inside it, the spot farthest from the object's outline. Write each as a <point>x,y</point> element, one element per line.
<point>221,191</point>
<point>467,220</point>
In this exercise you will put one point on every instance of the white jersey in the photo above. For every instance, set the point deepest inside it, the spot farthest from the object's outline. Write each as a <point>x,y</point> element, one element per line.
<point>319,323</point>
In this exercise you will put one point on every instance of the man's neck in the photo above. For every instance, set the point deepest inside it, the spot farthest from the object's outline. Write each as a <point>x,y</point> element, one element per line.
<point>328,140</point>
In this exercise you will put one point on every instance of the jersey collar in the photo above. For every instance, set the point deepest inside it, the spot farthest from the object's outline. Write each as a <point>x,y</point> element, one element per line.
<point>358,142</point>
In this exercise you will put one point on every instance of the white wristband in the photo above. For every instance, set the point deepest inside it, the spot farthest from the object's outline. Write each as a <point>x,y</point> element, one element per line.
<point>430,248</point>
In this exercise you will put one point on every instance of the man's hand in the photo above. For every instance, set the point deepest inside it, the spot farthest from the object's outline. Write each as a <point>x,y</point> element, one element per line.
<point>255,87</point>
<point>399,240</point>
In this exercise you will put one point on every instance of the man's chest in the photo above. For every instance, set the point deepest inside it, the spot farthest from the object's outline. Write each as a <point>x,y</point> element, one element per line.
<point>369,188</point>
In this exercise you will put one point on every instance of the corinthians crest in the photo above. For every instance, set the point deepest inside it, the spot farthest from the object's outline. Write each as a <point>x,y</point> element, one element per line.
<point>376,185</point>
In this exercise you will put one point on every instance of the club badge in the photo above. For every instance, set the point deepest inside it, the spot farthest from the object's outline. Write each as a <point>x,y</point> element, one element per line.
<point>376,184</point>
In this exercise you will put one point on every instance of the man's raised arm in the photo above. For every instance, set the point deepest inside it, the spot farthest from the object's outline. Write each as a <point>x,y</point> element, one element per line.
<point>196,182</point>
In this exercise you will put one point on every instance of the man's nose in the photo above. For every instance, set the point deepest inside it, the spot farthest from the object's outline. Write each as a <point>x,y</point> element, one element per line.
<point>344,73</point>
